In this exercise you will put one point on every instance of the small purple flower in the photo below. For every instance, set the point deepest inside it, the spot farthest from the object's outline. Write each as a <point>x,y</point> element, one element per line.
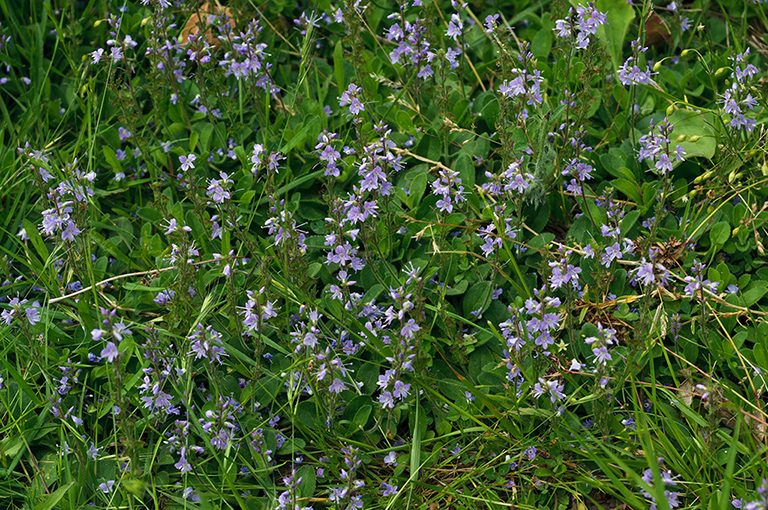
<point>107,486</point>
<point>110,352</point>
<point>187,162</point>
<point>401,390</point>
<point>350,97</point>
<point>388,490</point>
<point>391,459</point>
<point>93,452</point>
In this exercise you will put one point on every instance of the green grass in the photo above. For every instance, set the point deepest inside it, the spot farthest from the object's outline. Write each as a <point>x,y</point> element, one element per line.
<point>394,274</point>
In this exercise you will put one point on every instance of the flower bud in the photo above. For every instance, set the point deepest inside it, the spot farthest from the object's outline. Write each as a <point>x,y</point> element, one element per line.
<point>706,175</point>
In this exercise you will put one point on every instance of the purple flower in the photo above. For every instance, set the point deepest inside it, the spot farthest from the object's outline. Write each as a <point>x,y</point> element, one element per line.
<point>387,400</point>
<point>106,487</point>
<point>601,354</point>
<point>350,97</point>
<point>337,386</point>
<point>164,296</point>
<point>644,272</point>
<point>455,26</point>
<point>187,162</point>
<point>388,490</point>
<point>93,452</point>
<point>401,390</point>
<point>409,329</point>
<point>183,464</point>
<point>110,352</point>
<point>33,315</point>
<point>490,22</point>
<point>631,74</point>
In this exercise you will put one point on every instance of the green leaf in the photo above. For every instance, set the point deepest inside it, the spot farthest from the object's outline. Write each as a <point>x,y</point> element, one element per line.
<point>629,188</point>
<point>37,241</point>
<point>51,501</point>
<point>111,157</point>
<point>362,415</point>
<point>416,189</point>
<point>299,137</point>
<point>616,166</point>
<point>466,168</point>
<point>699,134</point>
<point>477,297</point>
<point>750,295</point>
<point>719,233</point>
<point>619,16</point>
<point>542,44</point>
<point>204,130</point>
<point>338,65</point>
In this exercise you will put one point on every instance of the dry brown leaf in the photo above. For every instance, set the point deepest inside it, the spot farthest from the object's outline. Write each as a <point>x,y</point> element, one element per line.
<point>203,17</point>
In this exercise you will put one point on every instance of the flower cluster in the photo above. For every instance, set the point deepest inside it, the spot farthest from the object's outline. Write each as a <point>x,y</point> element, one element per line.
<point>524,87</point>
<point>492,241</point>
<point>616,244</point>
<point>738,98</point>
<point>219,423</point>
<point>30,313</point>
<point>412,47</point>
<point>282,225</point>
<point>328,154</point>
<point>537,320</point>
<point>206,343</point>
<point>673,498</point>
<point>351,98</point>
<point>696,282</point>
<point>564,274</point>
<point>119,44</point>
<point>444,186</point>
<point>599,344</point>
<point>257,311</point>
<point>348,496</point>
<point>587,21</point>
<point>650,273</point>
<point>217,188</point>
<point>656,148</point>
<point>630,72</point>
<point>514,179</point>
<point>246,59</point>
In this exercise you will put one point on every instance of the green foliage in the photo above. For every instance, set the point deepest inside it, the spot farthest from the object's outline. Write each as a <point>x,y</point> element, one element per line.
<point>266,257</point>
